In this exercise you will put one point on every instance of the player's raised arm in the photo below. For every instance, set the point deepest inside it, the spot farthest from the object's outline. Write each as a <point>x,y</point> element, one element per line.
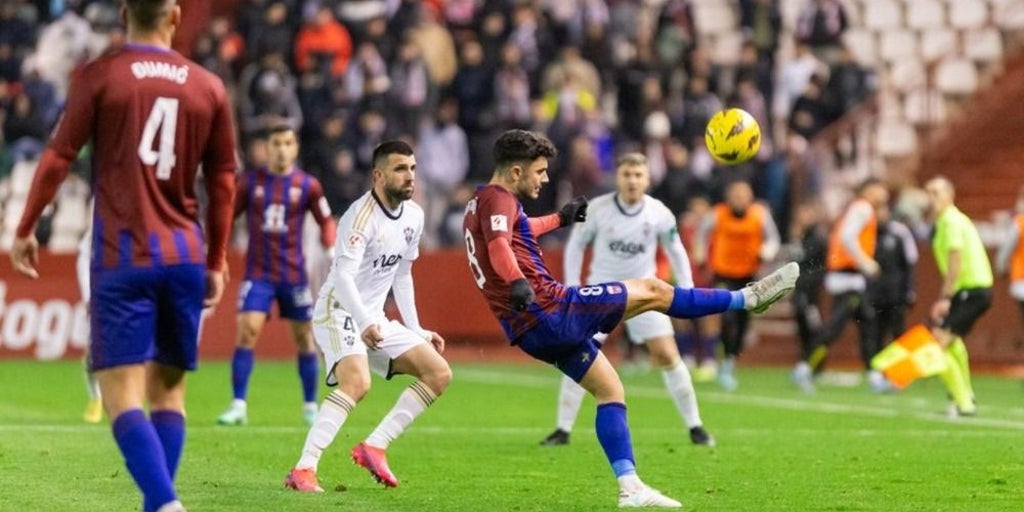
<point>71,134</point>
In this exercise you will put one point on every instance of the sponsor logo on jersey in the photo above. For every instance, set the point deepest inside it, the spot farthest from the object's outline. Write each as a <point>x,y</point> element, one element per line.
<point>499,223</point>
<point>386,261</point>
<point>165,70</point>
<point>624,248</point>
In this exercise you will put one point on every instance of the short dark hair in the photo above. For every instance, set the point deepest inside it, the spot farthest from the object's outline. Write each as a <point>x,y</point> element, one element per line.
<point>279,128</point>
<point>521,146</point>
<point>390,147</point>
<point>145,14</point>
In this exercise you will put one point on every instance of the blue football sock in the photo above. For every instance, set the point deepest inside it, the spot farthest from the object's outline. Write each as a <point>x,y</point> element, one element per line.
<point>613,434</point>
<point>737,302</point>
<point>685,343</point>
<point>170,428</point>
<point>697,302</point>
<point>309,371</point>
<point>144,457</point>
<point>241,369</point>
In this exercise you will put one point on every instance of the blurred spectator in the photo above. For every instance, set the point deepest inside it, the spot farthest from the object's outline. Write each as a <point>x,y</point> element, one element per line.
<point>680,185</point>
<point>410,87</point>
<point>848,84</point>
<point>267,96</point>
<point>323,36</point>
<point>821,25</point>
<point>10,63</point>
<point>570,63</point>
<point>438,48</point>
<point>272,32</point>
<point>357,14</point>
<point>372,128</point>
<point>676,31</point>
<point>571,19</point>
<point>533,39</point>
<point>366,80</point>
<point>762,24</point>
<point>809,114</point>
<point>752,67</point>
<point>630,92</point>
<point>451,233</point>
<point>62,45</point>
<point>23,130</point>
<point>15,32</point>
<point>407,16</point>
<point>793,78</point>
<point>584,176</point>
<point>42,94</point>
<point>376,32</point>
<point>492,35</point>
<point>333,137</point>
<point>442,163</point>
<point>699,104</point>
<point>657,129</point>
<point>459,14</point>
<point>512,91</point>
<point>220,50</point>
<point>344,182</point>
<point>473,88</point>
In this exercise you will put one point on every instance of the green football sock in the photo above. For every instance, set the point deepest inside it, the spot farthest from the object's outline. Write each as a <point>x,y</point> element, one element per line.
<point>953,378</point>
<point>959,352</point>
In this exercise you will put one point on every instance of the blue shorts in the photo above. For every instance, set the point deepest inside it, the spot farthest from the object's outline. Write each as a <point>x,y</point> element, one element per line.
<point>144,314</point>
<point>565,337</point>
<point>294,302</point>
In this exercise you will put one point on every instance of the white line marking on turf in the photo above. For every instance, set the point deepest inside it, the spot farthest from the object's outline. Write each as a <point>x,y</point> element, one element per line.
<point>533,381</point>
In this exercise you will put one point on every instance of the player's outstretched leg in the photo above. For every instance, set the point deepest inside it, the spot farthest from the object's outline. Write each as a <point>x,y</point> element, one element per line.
<point>612,428</point>
<point>433,376</point>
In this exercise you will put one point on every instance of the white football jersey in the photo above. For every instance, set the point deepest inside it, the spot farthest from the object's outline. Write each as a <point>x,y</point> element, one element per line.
<point>378,239</point>
<point>624,240</point>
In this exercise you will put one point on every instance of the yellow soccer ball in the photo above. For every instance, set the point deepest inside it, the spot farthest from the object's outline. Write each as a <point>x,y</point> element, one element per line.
<point>733,136</point>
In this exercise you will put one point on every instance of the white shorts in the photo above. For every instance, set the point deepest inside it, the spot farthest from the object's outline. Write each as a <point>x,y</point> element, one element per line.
<point>338,337</point>
<point>651,324</point>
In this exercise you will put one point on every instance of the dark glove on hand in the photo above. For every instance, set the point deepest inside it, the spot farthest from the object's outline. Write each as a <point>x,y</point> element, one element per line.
<point>573,211</point>
<point>520,295</point>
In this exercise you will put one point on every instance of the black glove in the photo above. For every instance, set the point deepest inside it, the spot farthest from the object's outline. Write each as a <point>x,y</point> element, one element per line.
<point>573,211</point>
<point>520,295</point>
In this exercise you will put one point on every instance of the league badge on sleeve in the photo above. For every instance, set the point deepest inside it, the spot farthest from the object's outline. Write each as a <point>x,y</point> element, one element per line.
<point>499,223</point>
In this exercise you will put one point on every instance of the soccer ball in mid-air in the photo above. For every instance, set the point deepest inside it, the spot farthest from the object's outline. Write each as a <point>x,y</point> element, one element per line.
<point>733,136</point>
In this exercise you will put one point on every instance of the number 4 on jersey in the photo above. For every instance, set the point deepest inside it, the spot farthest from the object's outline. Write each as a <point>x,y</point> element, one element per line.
<point>163,118</point>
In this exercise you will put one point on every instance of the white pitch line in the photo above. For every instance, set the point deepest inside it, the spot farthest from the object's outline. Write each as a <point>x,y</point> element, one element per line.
<point>533,381</point>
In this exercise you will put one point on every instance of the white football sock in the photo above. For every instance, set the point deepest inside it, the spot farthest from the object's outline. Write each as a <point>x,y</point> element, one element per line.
<point>411,403</point>
<point>680,388</point>
<point>333,413</point>
<point>570,398</point>
<point>630,483</point>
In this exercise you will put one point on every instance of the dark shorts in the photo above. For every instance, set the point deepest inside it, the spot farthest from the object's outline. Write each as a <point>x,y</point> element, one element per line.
<point>564,337</point>
<point>143,314</point>
<point>965,308</point>
<point>294,302</point>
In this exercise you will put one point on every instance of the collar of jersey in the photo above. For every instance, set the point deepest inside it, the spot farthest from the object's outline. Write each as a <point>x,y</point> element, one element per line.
<point>146,48</point>
<point>389,213</point>
<point>615,197</point>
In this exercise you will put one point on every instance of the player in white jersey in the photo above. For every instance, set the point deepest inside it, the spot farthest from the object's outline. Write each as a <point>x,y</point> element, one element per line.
<point>625,229</point>
<point>94,408</point>
<point>378,239</point>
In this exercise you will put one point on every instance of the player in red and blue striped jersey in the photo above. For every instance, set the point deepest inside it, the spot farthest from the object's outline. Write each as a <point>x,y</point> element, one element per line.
<point>275,200</point>
<point>555,323</point>
<point>153,117</point>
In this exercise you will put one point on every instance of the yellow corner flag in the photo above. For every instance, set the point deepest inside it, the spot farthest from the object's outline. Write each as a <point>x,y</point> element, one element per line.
<point>915,354</point>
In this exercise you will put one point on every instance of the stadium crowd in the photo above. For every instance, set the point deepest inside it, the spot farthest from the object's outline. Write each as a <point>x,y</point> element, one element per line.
<point>599,77</point>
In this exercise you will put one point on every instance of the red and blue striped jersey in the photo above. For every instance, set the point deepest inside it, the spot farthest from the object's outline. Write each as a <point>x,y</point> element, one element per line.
<point>495,212</point>
<point>275,207</point>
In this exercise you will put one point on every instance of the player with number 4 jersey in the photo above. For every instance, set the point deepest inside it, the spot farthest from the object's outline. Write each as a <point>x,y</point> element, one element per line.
<point>556,323</point>
<point>154,117</point>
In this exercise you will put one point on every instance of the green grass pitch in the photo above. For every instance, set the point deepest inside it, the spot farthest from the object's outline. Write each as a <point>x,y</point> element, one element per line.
<point>842,449</point>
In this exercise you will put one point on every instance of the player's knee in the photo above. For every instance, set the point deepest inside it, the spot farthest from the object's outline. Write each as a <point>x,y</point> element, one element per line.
<point>437,379</point>
<point>248,335</point>
<point>355,386</point>
<point>662,359</point>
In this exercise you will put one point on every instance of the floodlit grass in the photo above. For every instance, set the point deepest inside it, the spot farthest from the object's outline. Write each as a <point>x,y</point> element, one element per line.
<point>843,449</point>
